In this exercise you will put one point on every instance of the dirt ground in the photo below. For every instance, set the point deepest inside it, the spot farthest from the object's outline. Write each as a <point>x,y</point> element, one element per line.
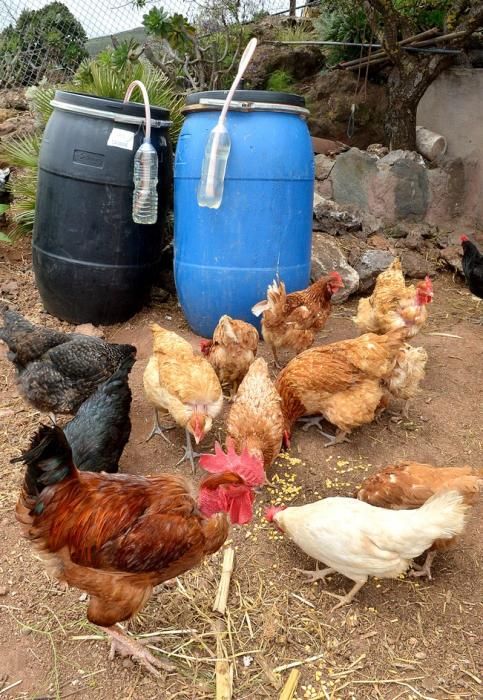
<point>407,638</point>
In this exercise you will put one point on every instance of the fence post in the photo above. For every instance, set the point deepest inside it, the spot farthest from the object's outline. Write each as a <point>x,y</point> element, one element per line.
<point>293,5</point>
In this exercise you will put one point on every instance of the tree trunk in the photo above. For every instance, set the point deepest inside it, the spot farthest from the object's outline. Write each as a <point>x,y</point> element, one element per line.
<point>400,123</point>
<point>406,85</point>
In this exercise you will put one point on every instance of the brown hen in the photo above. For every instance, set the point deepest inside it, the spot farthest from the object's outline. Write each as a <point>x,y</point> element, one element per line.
<point>342,382</point>
<point>292,320</point>
<point>410,484</point>
<point>232,350</point>
<point>393,305</point>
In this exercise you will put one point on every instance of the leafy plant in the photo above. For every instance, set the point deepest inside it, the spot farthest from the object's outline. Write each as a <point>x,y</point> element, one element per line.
<point>103,79</point>
<point>298,32</point>
<point>23,154</point>
<point>41,41</point>
<point>279,81</point>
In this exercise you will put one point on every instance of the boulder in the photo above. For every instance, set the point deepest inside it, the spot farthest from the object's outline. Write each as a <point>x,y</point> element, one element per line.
<point>333,218</point>
<point>416,265</point>
<point>327,255</point>
<point>369,265</point>
<point>349,176</point>
<point>380,242</point>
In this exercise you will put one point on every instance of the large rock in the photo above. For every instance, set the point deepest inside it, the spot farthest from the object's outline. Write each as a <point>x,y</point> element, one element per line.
<point>327,255</point>
<point>369,265</point>
<point>349,176</point>
<point>333,218</point>
<point>416,265</point>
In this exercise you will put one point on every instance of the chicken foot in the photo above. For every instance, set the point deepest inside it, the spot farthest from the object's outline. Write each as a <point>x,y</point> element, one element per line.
<point>344,599</point>
<point>312,576</point>
<point>189,454</point>
<point>425,569</point>
<point>126,646</point>
<point>340,435</point>
<point>277,362</point>
<point>158,430</point>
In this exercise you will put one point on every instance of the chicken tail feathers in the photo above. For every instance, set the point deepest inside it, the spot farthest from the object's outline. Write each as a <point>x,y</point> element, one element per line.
<point>49,460</point>
<point>446,512</point>
<point>276,297</point>
<point>119,377</point>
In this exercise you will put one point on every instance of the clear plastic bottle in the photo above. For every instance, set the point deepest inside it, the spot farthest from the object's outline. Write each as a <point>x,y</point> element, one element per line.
<point>210,190</point>
<point>145,197</point>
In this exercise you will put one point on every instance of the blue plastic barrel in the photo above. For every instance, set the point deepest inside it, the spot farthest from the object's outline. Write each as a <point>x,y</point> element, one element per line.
<point>225,258</point>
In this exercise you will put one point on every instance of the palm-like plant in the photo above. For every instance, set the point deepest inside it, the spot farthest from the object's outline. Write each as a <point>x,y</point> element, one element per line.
<point>23,153</point>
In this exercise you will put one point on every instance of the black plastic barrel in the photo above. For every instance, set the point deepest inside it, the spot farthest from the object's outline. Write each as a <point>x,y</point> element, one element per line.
<point>92,263</point>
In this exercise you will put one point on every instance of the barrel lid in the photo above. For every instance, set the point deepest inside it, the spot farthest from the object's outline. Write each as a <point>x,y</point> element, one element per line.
<point>262,96</point>
<point>107,104</point>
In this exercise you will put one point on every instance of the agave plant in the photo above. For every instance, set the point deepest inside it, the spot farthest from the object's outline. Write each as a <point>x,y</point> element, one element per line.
<point>103,79</point>
<point>22,153</point>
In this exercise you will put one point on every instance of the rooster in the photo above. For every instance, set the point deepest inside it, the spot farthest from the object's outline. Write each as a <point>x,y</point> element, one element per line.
<point>183,384</point>
<point>472,266</point>
<point>101,428</point>
<point>232,350</point>
<point>343,382</point>
<point>117,536</point>
<point>410,485</point>
<point>292,320</point>
<point>393,305</point>
<point>57,372</point>
<point>255,422</point>
<point>360,540</point>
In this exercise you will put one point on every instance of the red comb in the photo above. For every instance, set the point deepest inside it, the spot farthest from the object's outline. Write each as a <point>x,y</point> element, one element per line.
<point>271,512</point>
<point>337,277</point>
<point>464,239</point>
<point>247,466</point>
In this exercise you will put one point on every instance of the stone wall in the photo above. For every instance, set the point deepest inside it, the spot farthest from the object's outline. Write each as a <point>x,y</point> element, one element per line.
<point>453,106</point>
<point>401,185</point>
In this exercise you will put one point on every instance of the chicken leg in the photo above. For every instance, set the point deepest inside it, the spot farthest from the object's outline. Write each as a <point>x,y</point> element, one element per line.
<point>157,429</point>
<point>126,646</point>
<point>340,435</point>
<point>189,454</point>
<point>275,357</point>
<point>425,569</point>
<point>312,576</point>
<point>344,599</point>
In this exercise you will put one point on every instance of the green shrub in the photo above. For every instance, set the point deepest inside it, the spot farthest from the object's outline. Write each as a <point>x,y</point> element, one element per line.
<point>279,81</point>
<point>41,41</point>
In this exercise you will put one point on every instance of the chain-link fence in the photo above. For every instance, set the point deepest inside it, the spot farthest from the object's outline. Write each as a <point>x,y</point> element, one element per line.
<point>41,39</point>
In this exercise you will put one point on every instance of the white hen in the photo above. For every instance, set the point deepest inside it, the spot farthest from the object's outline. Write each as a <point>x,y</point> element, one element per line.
<point>360,540</point>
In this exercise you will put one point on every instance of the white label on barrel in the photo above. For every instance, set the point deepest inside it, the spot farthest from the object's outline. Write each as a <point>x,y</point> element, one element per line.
<point>121,138</point>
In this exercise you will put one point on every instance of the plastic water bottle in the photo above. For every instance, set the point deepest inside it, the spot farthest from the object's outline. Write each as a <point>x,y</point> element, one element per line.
<point>145,197</point>
<point>210,190</point>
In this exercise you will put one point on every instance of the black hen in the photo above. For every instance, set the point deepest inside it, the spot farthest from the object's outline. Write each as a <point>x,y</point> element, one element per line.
<point>472,267</point>
<point>101,428</point>
<point>57,372</point>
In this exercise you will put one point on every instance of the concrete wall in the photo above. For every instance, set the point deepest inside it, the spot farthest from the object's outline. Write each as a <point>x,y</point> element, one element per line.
<point>453,106</point>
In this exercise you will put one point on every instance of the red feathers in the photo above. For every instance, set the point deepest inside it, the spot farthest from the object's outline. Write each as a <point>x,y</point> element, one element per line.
<point>247,466</point>
<point>271,512</point>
